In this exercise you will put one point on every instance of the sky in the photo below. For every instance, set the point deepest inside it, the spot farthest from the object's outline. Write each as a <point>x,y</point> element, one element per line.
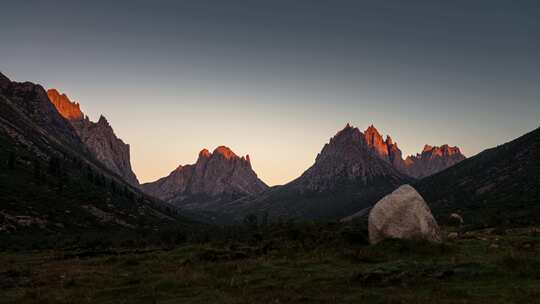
<point>276,79</point>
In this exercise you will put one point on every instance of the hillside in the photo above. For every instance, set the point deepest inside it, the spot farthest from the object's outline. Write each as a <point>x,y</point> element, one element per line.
<point>498,186</point>
<point>51,186</point>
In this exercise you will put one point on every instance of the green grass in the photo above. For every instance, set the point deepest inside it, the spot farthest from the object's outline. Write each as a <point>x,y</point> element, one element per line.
<point>280,268</point>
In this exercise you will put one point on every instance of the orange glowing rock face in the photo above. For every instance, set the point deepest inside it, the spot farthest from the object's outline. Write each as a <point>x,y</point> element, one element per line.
<point>375,141</point>
<point>431,160</point>
<point>68,109</point>
<point>225,151</point>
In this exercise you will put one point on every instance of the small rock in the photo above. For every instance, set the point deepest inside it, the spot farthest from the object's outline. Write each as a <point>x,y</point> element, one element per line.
<point>453,235</point>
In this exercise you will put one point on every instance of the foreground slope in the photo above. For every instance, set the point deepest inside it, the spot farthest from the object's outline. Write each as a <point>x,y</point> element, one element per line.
<point>51,185</point>
<point>499,185</point>
<point>285,263</point>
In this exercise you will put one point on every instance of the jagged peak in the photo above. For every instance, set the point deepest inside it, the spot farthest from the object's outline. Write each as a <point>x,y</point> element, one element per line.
<point>225,152</point>
<point>372,135</point>
<point>348,129</point>
<point>443,150</point>
<point>102,120</point>
<point>427,148</point>
<point>68,109</point>
<point>205,153</point>
<point>372,129</point>
<point>389,141</point>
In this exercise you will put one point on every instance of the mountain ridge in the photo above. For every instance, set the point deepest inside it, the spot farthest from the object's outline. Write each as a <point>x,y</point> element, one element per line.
<point>218,175</point>
<point>431,160</point>
<point>98,136</point>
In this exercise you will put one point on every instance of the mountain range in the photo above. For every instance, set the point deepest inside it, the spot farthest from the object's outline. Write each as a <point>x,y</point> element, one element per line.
<point>431,160</point>
<point>352,171</point>
<point>52,185</point>
<point>52,148</point>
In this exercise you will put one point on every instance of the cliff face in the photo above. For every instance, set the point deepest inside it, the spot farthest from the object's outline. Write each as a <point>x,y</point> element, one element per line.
<point>49,172</point>
<point>98,137</point>
<point>68,109</point>
<point>220,173</point>
<point>430,161</point>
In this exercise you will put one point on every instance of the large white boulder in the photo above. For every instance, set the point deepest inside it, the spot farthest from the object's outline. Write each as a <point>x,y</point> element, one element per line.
<point>403,214</point>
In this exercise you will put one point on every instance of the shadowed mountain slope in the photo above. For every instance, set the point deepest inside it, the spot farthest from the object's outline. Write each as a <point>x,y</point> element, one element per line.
<point>497,186</point>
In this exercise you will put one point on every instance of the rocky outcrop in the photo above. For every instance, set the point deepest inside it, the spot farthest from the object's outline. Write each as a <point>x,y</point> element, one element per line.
<point>348,158</point>
<point>98,137</point>
<point>68,109</point>
<point>110,150</point>
<point>403,214</point>
<point>430,161</point>
<point>220,173</point>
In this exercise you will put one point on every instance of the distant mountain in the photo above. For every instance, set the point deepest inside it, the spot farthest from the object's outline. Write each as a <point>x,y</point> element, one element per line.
<point>347,176</point>
<point>51,185</point>
<point>430,161</point>
<point>497,186</point>
<point>98,137</point>
<point>215,177</point>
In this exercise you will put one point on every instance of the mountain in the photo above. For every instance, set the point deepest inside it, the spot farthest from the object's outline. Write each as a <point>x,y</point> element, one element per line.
<point>497,186</point>
<point>52,187</point>
<point>215,177</point>
<point>347,176</point>
<point>430,161</point>
<point>98,137</point>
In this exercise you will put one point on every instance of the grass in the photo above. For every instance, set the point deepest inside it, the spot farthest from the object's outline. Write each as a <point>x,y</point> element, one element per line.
<point>480,267</point>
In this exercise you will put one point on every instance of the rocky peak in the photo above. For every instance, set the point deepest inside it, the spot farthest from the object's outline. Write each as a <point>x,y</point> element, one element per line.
<point>98,136</point>
<point>102,121</point>
<point>347,158</point>
<point>389,141</point>
<point>214,174</point>
<point>344,143</point>
<point>431,160</point>
<point>224,151</point>
<point>205,153</point>
<point>375,141</point>
<point>427,148</point>
<point>68,109</point>
<point>444,150</point>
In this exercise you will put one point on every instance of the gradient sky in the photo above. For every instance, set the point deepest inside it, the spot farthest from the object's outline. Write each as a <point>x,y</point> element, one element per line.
<point>276,79</point>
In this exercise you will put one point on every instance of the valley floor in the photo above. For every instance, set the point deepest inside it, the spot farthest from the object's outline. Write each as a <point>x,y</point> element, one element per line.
<point>288,266</point>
